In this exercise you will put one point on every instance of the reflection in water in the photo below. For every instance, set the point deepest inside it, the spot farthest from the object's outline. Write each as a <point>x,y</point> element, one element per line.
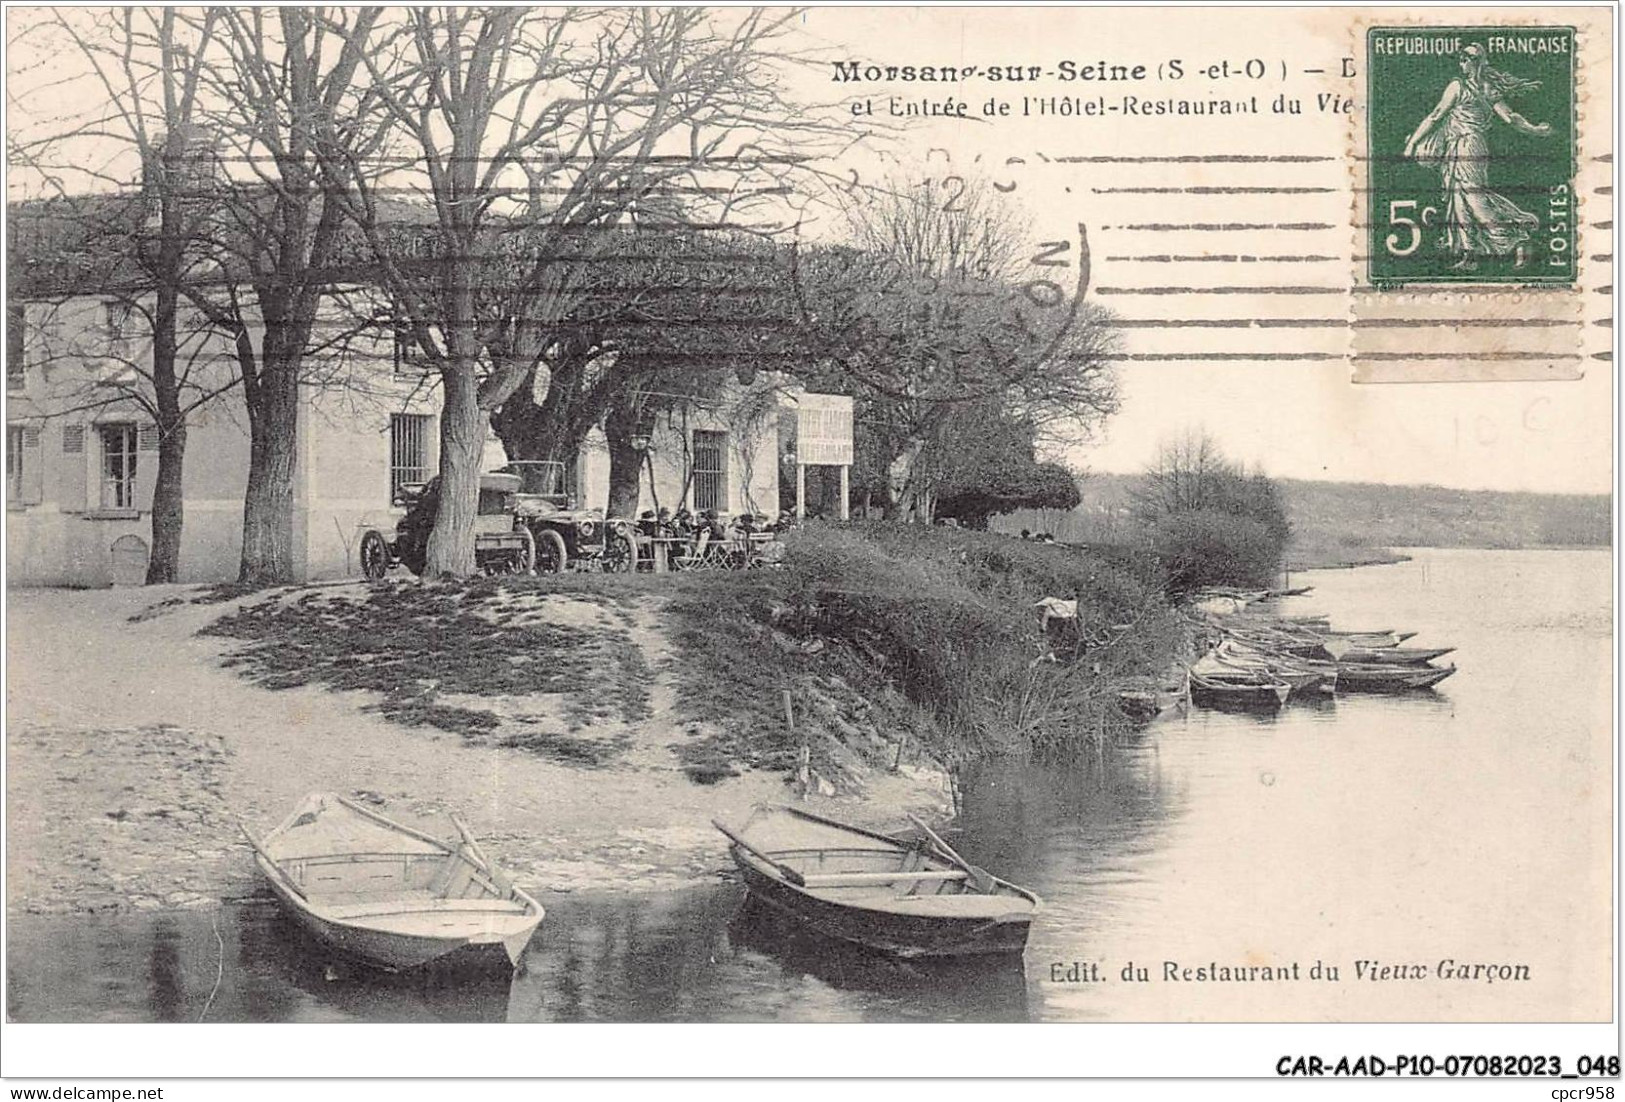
<point>610,958</point>
<point>981,989</point>
<point>1334,831</point>
<point>167,996</point>
<point>455,988</point>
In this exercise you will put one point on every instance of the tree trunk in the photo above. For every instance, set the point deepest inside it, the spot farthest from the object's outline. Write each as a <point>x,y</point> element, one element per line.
<point>168,513</point>
<point>273,457</point>
<point>462,446</point>
<point>625,461</point>
<point>528,429</point>
<point>168,510</point>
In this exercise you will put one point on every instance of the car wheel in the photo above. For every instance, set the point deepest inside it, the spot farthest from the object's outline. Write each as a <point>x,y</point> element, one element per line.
<point>374,555</point>
<point>525,561</point>
<point>621,553</point>
<point>551,555</point>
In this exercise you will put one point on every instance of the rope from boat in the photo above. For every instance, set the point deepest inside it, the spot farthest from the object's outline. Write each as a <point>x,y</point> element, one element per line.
<point>220,963</point>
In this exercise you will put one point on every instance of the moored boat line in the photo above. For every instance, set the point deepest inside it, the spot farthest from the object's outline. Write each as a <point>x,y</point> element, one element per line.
<point>1259,660</point>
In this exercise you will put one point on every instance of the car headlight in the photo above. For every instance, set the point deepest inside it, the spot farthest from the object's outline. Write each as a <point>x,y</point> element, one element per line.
<point>585,529</point>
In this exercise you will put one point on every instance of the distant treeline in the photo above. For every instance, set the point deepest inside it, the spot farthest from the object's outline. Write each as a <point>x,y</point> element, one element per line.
<point>1363,514</point>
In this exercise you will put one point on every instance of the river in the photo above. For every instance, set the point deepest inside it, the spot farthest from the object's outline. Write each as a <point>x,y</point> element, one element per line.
<point>1469,824</point>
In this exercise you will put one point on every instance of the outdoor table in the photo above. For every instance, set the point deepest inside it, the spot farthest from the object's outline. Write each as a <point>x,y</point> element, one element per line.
<point>661,548</point>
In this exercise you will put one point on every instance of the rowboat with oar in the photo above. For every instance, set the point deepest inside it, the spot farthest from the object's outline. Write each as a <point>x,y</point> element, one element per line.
<point>1248,690</point>
<point>1305,675</point>
<point>388,894</point>
<point>1215,666</point>
<point>910,899</point>
<point>1362,677</point>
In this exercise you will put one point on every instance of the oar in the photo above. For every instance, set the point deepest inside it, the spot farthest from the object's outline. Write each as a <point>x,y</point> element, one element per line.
<point>980,878</point>
<point>276,869</point>
<point>503,884</point>
<point>784,870</point>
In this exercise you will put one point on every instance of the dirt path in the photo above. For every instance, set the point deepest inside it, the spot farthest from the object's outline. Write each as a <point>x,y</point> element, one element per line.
<point>164,747</point>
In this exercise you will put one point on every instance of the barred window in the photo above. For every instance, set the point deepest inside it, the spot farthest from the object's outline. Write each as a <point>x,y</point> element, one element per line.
<point>710,470</point>
<point>408,450</point>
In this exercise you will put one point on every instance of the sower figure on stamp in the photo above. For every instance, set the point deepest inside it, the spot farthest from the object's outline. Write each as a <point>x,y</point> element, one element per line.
<point>1454,139</point>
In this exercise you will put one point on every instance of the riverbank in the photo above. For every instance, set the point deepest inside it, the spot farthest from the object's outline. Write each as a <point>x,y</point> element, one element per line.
<point>1333,556</point>
<point>133,748</point>
<point>587,727</point>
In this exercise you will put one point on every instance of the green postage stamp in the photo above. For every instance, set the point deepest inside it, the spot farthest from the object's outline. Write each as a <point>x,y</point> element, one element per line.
<point>1470,140</point>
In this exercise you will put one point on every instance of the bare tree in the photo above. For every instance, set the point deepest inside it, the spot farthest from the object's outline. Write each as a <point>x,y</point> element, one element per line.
<point>285,79</point>
<point>1187,475</point>
<point>529,134</point>
<point>146,64</point>
<point>933,309</point>
<point>84,313</point>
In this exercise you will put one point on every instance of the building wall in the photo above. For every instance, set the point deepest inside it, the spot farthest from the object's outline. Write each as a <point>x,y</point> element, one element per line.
<point>344,463</point>
<point>751,465</point>
<point>58,532</point>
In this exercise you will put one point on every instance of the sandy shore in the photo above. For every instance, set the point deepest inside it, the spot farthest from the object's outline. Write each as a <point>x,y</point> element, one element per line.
<point>132,752</point>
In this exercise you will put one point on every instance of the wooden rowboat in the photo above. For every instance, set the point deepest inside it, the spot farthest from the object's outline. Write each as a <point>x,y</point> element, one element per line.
<point>895,896</point>
<point>1143,699</point>
<point>1379,678</point>
<point>1216,666</point>
<point>1248,690</point>
<point>1395,656</point>
<point>1303,674</point>
<point>390,895</point>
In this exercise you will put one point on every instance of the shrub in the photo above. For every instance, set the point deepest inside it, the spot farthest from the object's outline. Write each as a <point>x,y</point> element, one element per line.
<point>1207,547</point>
<point>946,617</point>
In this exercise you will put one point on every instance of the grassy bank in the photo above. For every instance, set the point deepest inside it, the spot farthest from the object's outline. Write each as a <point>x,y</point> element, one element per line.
<point>924,634</point>
<point>871,646</point>
<point>1332,553</point>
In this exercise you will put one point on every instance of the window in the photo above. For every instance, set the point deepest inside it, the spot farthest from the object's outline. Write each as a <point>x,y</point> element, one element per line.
<point>409,357</point>
<point>14,463</point>
<point>710,470</point>
<point>15,369</point>
<point>116,319</point>
<point>118,466</point>
<point>408,450</point>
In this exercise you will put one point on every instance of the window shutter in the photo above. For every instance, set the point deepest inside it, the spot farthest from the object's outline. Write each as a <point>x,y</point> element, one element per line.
<point>146,466</point>
<point>70,472</point>
<point>33,481</point>
<point>16,345</point>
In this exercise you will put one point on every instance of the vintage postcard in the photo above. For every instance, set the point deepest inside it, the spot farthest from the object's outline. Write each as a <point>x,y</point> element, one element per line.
<point>836,515</point>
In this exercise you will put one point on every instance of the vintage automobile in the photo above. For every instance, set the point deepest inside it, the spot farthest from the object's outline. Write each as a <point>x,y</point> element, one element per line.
<point>568,537</point>
<point>502,544</point>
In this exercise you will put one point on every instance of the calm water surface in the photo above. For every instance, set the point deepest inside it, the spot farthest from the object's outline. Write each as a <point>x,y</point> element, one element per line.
<point>1471,823</point>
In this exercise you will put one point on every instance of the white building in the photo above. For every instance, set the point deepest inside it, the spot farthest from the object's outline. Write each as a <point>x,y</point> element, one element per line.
<point>81,462</point>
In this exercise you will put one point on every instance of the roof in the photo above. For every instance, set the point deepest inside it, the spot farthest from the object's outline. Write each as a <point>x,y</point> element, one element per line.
<point>54,246</point>
<point>91,244</point>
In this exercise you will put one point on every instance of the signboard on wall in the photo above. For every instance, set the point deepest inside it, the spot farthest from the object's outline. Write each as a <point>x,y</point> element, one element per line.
<point>824,430</point>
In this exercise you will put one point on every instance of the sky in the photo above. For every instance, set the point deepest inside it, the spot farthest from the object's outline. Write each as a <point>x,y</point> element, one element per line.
<point>1299,419</point>
<point>1110,177</point>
